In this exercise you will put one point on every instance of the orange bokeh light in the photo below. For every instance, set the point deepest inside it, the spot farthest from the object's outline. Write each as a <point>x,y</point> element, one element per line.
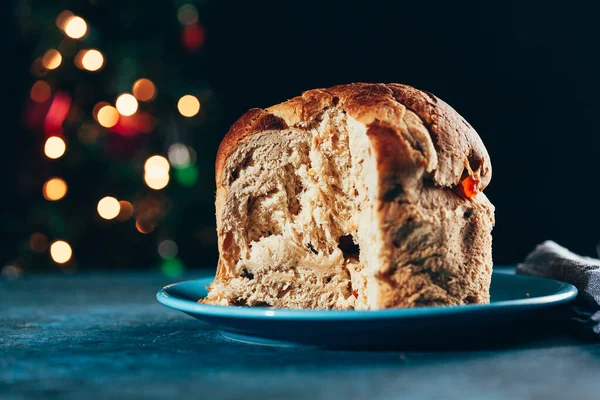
<point>51,59</point>
<point>54,189</point>
<point>40,91</point>
<point>188,105</point>
<point>144,226</point>
<point>125,210</point>
<point>108,116</point>
<point>144,90</point>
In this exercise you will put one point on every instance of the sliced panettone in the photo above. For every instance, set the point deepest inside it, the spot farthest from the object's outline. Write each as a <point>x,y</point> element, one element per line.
<point>361,196</point>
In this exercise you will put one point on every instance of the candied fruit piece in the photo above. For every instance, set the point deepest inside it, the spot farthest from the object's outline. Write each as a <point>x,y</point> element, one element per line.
<point>470,187</point>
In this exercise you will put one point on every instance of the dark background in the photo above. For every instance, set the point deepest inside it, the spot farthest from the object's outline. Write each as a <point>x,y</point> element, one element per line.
<point>526,75</point>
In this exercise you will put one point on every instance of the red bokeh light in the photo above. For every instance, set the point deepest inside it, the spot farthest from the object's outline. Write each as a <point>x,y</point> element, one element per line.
<point>140,122</point>
<point>57,113</point>
<point>193,37</point>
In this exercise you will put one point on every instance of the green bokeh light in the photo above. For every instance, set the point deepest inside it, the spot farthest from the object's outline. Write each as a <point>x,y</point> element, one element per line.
<point>187,176</point>
<point>172,268</point>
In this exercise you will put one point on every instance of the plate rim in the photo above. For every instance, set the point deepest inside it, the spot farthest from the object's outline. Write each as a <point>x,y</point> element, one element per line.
<point>566,292</point>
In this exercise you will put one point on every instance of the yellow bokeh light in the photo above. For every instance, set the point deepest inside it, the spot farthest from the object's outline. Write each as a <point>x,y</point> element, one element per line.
<point>126,104</point>
<point>144,90</point>
<point>156,172</point>
<point>155,166</point>
<point>60,251</point>
<point>188,105</point>
<point>54,147</point>
<point>108,116</point>
<point>54,189</point>
<point>155,182</point>
<point>92,60</point>
<point>75,27</point>
<point>108,207</point>
<point>51,59</point>
<point>40,91</point>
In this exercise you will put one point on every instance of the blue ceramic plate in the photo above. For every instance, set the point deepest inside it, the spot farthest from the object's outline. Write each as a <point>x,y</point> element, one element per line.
<point>519,304</point>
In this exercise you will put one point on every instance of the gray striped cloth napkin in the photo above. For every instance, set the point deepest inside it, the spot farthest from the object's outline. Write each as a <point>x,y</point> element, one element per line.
<point>550,260</point>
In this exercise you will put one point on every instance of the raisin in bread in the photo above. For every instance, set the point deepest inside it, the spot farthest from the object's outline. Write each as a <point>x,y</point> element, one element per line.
<point>362,196</point>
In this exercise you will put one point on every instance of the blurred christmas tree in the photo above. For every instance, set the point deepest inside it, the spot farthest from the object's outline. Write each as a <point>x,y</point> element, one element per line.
<point>117,171</point>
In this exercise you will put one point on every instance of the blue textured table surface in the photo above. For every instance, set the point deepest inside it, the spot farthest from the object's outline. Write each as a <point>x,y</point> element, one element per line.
<point>104,335</point>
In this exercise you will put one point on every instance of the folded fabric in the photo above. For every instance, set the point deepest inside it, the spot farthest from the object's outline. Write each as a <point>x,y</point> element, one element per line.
<point>550,260</point>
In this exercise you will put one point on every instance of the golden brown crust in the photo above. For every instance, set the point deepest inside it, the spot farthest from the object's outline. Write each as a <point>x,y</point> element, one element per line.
<point>457,144</point>
<point>397,164</point>
<point>252,122</point>
<point>453,136</point>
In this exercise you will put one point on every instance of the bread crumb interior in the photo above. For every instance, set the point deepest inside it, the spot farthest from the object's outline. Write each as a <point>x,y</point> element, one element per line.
<point>298,221</point>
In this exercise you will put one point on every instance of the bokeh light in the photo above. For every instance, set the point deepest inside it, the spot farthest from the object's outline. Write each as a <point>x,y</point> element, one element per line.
<point>193,37</point>
<point>11,271</point>
<point>97,108</point>
<point>51,59</point>
<point>54,147</point>
<point>126,104</point>
<point>187,14</point>
<point>38,242</point>
<point>60,251</point>
<point>172,268</point>
<point>125,210</point>
<point>91,60</point>
<point>156,172</point>
<point>75,27</point>
<point>54,189</point>
<point>167,249</point>
<point>108,207</point>
<point>156,164</point>
<point>108,116</point>
<point>58,111</point>
<point>156,182</point>
<point>144,90</point>
<point>63,18</point>
<point>40,91</point>
<point>187,176</point>
<point>192,155</point>
<point>188,105</point>
<point>144,226</point>
<point>179,156</point>
<point>145,122</point>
